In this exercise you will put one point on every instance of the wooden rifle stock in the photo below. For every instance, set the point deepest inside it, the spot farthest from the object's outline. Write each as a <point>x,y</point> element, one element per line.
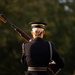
<point>22,33</point>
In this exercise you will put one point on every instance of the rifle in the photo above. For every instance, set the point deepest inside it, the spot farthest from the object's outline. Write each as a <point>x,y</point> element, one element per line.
<point>52,67</point>
<point>22,33</point>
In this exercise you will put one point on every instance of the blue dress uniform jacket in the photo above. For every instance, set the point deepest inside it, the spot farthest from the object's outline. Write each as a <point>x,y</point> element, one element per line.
<point>37,54</point>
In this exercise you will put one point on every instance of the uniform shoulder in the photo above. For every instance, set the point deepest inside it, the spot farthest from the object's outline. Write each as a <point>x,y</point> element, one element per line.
<point>27,43</point>
<point>51,42</point>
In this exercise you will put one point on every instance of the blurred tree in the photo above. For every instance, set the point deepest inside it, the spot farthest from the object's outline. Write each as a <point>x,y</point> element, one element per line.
<point>60,29</point>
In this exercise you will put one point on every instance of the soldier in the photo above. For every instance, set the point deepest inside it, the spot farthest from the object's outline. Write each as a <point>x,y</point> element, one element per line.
<point>36,53</point>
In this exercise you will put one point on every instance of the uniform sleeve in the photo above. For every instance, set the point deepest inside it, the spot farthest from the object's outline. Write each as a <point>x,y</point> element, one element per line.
<point>23,58</point>
<point>23,55</point>
<point>56,57</point>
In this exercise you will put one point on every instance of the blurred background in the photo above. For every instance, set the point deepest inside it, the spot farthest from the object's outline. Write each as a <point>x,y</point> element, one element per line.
<point>60,18</point>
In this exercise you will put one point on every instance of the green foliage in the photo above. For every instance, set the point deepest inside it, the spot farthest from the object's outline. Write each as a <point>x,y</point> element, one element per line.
<point>60,30</point>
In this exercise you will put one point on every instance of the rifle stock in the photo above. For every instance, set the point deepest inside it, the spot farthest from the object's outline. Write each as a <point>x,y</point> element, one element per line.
<point>22,33</point>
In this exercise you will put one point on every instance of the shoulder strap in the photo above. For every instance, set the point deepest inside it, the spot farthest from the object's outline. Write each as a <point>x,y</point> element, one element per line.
<point>50,46</point>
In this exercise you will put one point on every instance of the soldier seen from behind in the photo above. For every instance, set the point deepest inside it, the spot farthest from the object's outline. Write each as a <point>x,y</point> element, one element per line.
<point>37,54</point>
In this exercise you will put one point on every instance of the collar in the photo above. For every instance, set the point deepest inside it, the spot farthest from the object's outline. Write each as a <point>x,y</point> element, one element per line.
<point>38,39</point>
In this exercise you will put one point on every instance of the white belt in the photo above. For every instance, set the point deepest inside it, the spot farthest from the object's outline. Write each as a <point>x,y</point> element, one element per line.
<point>37,68</point>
